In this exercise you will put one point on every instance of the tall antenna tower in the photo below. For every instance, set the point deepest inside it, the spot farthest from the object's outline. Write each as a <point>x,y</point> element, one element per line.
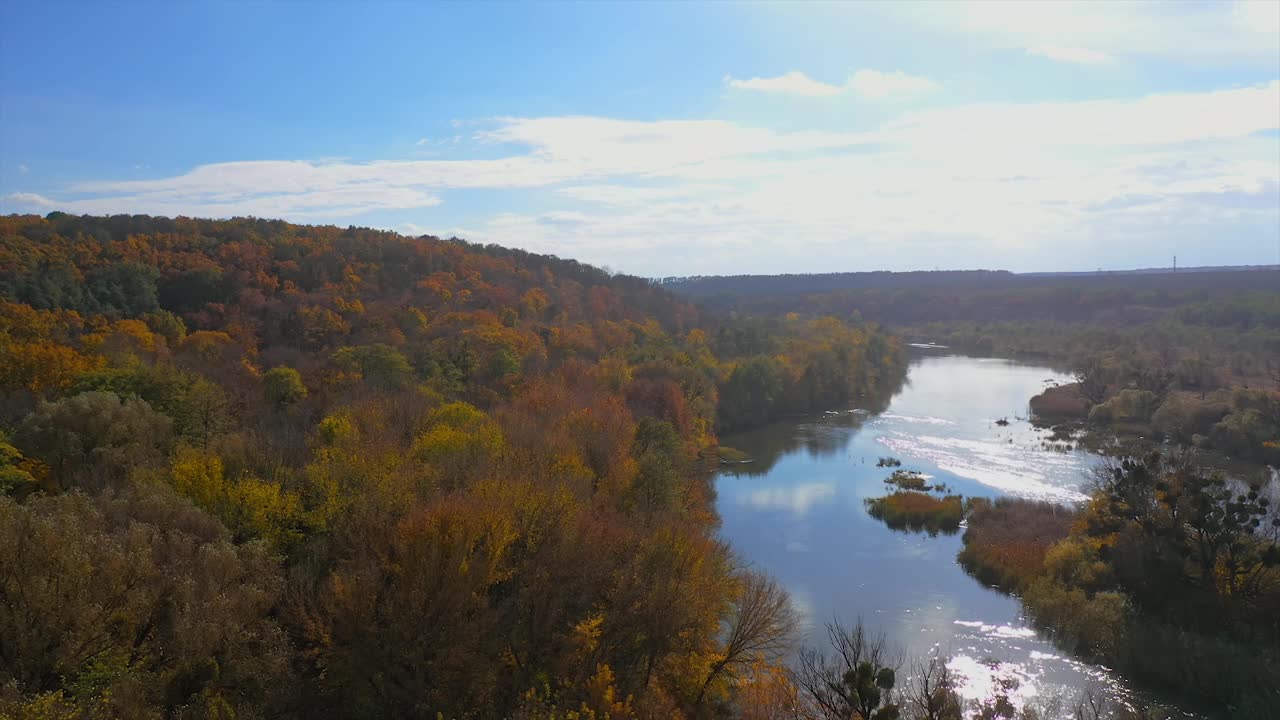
<point>1175,263</point>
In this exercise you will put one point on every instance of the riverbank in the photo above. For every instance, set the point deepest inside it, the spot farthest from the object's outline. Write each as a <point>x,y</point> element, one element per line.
<point>1170,574</point>
<point>1237,423</point>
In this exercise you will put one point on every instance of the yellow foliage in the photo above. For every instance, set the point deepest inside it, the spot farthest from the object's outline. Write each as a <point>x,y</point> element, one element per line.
<point>458,440</point>
<point>613,373</point>
<point>206,344</point>
<point>1075,563</point>
<point>198,475</point>
<point>263,509</point>
<point>534,302</point>
<point>248,506</point>
<point>42,367</point>
<point>586,634</point>
<point>337,428</point>
<point>602,697</point>
<point>767,693</point>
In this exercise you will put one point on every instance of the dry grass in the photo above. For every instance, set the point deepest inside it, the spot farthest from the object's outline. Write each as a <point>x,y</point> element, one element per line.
<point>911,510</point>
<point>1006,541</point>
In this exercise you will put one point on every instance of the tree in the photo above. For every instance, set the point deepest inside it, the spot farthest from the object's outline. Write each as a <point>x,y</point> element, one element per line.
<point>458,442</point>
<point>1178,526</point>
<point>282,387</point>
<point>14,478</point>
<point>657,451</point>
<point>1092,378</point>
<point>403,625</point>
<point>750,393</point>
<point>136,605</point>
<point>856,682</point>
<point>767,692</point>
<point>123,289</point>
<point>382,366</point>
<point>759,629</point>
<point>197,406</point>
<point>167,325</point>
<point>930,692</point>
<point>94,438</point>
<point>1198,373</point>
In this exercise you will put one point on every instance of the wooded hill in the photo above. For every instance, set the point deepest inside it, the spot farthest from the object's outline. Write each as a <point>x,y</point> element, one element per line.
<point>256,469</point>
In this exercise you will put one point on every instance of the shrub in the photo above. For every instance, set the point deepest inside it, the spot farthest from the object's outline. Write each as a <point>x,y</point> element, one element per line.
<point>908,480</point>
<point>1091,625</point>
<point>910,510</point>
<point>1006,541</point>
<point>1128,405</point>
<point>1060,403</point>
<point>1182,416</point>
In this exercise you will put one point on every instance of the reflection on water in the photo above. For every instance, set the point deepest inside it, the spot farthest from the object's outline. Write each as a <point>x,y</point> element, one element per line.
<point>797,499</point>
<point>797,511</point>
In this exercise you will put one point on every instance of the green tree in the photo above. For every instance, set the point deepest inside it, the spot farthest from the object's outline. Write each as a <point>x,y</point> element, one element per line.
<point>94,438</point>
<point>382,366</point>
<point>657,451</point>
<point>282,386</point>
<point>125,288</point>
<point>167,325</point>
<point>750,393</point>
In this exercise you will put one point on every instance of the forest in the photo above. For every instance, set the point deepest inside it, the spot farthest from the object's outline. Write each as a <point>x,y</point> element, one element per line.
<point>1191,357</point>
<point>253,469</point>
<point>1231,315</point>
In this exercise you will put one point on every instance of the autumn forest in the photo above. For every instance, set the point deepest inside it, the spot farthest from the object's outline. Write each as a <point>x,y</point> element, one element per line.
<point>253,469</point>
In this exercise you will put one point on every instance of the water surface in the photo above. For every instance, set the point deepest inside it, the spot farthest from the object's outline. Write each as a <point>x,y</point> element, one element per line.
<point>797,511</point>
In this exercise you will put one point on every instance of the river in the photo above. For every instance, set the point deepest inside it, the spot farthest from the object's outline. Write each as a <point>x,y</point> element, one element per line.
<point>797,511</point>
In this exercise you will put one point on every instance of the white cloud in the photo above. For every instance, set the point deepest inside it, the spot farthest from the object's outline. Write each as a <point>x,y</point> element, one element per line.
<point>1079,56</point>
<point>797,499</point>
<point>23,169</point>
<point>988,184</point>
<point>1232,33</point>
<point>28,200</point>
<point>792,83</point>
<point>865,84</point>
<point>876,85</point>
<point>412,229</point>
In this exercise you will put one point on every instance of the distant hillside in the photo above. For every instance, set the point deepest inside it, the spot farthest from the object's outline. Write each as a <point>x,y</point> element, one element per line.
<point>1226,316</point>
<point>1229,279</point>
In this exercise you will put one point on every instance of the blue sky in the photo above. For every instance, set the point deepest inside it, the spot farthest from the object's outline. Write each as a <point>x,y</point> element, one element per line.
<point>664,139</point>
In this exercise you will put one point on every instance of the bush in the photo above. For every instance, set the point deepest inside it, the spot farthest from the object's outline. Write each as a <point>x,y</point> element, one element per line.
<point>909,510</point>
<point>1090,625</point>
<point>1060,403</point>
<point>1128,405</point>
<point>1182,416</point>
<point>1006,541</point>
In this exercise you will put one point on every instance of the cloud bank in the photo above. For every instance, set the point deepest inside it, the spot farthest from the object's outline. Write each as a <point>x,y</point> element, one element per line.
<point>864,84</point>
<point>991,183</point>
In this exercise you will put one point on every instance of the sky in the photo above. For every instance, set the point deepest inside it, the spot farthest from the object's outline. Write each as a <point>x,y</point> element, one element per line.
<point>670,139</point>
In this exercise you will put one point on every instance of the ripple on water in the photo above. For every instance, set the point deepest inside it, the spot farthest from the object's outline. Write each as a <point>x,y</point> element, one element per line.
<point>1003,466</point>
